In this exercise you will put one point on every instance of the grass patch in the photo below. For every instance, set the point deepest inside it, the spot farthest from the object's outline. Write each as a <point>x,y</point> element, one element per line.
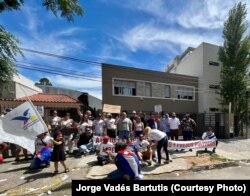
<point>215,157</point>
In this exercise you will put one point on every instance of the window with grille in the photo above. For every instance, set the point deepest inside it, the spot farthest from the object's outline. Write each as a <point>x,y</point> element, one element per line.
<point>124,87</point>
<point>185,93</point>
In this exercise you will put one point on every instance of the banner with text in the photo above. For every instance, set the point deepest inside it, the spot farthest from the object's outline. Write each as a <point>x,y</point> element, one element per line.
<point>191,144</point>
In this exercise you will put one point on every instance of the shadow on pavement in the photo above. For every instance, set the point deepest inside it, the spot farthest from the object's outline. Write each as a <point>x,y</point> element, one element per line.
<point>15,170</point>
<point>35,177</point>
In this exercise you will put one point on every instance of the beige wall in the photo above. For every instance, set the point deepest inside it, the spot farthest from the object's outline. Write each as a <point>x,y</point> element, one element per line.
<point>197,64</point>
<point>140,102</point>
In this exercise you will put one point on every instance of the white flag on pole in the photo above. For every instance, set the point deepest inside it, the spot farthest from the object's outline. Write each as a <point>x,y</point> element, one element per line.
<point>21,126</point>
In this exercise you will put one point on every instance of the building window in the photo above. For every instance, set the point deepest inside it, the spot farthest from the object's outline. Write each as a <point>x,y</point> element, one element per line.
<point>214,86</point>
<point>123,87</point>
<point>148,90</point>
<point>214,63</point>
<point>185,93</point>
<point>167,91</point>
<point>214,109</point>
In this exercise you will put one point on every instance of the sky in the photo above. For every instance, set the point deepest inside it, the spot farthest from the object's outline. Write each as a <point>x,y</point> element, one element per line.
<point>144,34</point>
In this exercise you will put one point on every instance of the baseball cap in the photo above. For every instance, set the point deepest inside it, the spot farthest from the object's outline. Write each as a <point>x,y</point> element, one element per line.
<point>105,137</point>
<point>134,112</point>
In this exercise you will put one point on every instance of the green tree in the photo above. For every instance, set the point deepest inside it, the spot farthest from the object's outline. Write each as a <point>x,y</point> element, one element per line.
<point>9,48</point>
<point>234,56</point>
<point>44,81</point>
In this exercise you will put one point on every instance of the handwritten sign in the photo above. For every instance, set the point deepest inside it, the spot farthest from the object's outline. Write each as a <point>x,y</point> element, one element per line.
<point>111,108</point>
<point>191,144</point>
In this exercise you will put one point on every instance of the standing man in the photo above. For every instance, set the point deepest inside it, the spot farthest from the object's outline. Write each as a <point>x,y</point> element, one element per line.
<point>188,126</point>
<point>124,126</point>
<point>174,125</point>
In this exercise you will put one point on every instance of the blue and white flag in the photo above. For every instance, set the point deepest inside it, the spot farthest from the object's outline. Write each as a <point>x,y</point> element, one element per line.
<point>21,126</point>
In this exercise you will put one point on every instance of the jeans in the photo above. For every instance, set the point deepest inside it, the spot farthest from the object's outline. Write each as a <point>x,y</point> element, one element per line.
<point>86,147</point>
<point>162,143</point>
<point>124,134</point>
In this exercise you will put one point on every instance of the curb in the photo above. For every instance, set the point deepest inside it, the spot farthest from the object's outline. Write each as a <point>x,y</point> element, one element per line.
<point>216,166</point>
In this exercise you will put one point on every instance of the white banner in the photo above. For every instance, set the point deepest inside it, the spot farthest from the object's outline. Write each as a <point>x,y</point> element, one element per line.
<point>98,139</point>
<point>21,126</point>
<point>191,144</point>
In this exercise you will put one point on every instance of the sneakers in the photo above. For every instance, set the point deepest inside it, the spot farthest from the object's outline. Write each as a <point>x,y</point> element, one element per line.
<point>167,161</point>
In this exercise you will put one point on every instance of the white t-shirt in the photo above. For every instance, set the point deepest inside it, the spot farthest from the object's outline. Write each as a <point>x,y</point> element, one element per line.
<point>105,147</point>
<point>142,146</point>
<point>110,123</point>
<point>99,124</point>
<point>174,123</point>
<point>156,135</point>
<point>55,120</point>
<point>85,125</point>
<point>39,144</point>
<point>67,123</point>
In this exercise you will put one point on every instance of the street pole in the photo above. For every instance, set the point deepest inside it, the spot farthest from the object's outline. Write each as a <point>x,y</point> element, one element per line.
<point>247,94</point>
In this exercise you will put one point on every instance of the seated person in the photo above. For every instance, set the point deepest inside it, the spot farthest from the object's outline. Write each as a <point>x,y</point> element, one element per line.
<point>144,151</point>
<point>210,135</point>
<point>103,149</point>
<point>85,143</point>
<point>128,167</point>
<point>131,146</point>
<point>43,150</point>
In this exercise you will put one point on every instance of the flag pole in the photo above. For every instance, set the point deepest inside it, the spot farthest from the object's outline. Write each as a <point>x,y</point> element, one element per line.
<point>37,113</point>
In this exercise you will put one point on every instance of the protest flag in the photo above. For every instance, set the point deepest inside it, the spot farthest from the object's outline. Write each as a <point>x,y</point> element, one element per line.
<point>22,125</point>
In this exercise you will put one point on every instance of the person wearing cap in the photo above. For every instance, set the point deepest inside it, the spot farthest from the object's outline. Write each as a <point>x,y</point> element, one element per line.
<point>110,126</point>
<point>127,163</point>
<point>103,149</point>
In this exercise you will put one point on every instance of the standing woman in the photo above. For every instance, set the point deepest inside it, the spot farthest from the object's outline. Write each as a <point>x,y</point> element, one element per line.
<point>161,140</point>
<point>58,153</point>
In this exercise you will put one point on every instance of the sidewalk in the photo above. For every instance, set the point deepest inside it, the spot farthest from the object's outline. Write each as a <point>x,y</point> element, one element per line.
<point>17,179</point>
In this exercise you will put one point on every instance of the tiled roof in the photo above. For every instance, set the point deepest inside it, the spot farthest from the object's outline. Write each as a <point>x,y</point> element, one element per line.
<point>52,98</point>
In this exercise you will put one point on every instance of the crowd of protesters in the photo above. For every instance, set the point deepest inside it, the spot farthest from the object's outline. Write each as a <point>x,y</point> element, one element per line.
<point>141,136</point>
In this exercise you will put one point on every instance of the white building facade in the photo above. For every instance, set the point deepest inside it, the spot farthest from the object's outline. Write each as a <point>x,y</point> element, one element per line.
<point>203,63</point>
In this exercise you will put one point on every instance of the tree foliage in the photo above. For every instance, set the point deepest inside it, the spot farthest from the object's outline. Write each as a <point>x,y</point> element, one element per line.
<point>8,50</point>
<point>9,44</point>
<point>234,56</point>
<point>10,5</point>
<point>68,8</point>
<point>44,81</point>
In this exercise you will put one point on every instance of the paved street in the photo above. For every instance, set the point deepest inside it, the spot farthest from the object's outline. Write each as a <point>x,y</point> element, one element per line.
<point>17,179</point>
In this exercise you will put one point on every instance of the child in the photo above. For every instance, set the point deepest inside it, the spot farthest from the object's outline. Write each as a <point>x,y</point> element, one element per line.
<point>210,135</point>
<point>58,153</point>
<point>43,149</point>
